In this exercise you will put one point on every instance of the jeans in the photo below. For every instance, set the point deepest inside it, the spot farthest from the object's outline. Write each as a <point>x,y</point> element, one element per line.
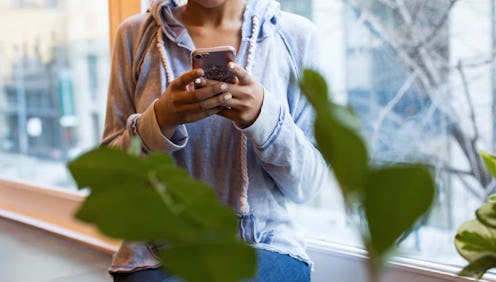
<point>272,267</point>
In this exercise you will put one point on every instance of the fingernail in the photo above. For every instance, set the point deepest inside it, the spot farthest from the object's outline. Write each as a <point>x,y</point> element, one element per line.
<point>228,97</point>
<point>231,65</point>
<point>223,87</point>
<point>198,81</point>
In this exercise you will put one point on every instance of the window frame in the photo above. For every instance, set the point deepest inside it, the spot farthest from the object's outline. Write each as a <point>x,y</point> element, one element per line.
<point>118,11</point>
<point>51,209</point>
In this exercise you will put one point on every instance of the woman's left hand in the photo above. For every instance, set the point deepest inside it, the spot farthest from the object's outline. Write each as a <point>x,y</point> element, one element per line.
<point>247,98</point>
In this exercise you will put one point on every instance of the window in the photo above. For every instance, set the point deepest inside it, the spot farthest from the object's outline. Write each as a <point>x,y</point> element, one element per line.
<point>54,65</point>
<point>421,75</point>
<point>92,61</point>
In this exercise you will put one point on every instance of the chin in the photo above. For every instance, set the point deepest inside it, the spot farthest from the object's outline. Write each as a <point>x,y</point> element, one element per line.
<point>209,3</point>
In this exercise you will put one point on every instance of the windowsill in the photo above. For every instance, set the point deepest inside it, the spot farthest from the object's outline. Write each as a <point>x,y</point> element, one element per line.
<point>52,210</point>
<point>409,267</point>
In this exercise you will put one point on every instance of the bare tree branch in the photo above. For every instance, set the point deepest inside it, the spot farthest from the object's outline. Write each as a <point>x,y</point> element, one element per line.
<point>447,168</point>
<point>430,66</point>
<point>389,107</point>
<point>466,91</point>
<point>403,10</point>
<point>435,30</point>
<point>469,149</point>
<point>390,40</point>
<point>474,191</point>
<point>389,3</point>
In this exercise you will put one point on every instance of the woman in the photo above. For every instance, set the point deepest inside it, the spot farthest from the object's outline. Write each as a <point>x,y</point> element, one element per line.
<point>249,140</point>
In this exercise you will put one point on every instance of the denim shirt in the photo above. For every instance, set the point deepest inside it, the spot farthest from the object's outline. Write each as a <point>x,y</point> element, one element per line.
<point>282,162</point>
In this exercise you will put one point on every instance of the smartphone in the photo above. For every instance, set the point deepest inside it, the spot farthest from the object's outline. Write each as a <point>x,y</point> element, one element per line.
<point>214,62</point>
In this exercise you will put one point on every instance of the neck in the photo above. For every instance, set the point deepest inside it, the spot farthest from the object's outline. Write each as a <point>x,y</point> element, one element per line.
<point>194,14</point>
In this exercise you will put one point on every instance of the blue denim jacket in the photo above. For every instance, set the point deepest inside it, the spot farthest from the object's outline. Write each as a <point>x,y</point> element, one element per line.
<point>283,164</point>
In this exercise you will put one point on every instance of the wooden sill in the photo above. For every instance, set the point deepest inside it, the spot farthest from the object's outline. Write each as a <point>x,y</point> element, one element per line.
<point>51,210</point>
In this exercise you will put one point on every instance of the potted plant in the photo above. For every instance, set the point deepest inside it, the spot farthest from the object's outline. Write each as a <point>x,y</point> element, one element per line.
<point>475,239</point>
<point>391,198</point>
<point>130,194</point>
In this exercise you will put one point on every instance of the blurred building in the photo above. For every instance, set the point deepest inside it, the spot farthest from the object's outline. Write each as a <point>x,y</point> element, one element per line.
<point>38,96</point>
<point>54,77</point>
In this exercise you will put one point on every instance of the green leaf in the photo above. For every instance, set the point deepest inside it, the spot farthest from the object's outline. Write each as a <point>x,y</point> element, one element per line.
<point>315,88</point>
<point>478,267</point>
<point>489,162</point>
<point>396,197</point>
<point>393,197</point>
<point>214,262</point>
<point>200,202</point>
<point>486,214</point>
<point>134,214</point>
<point>345,116</point>
<point>166,193</point>
<point>107,168</point>
<point>344,151</point>
<point>151,199</point>
<point>492,199</point>
<point>335,133</point>
<point>167,172</point>
<point>475,240</point>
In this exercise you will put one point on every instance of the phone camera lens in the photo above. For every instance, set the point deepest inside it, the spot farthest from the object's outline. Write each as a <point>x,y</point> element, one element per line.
<point>198,56</point>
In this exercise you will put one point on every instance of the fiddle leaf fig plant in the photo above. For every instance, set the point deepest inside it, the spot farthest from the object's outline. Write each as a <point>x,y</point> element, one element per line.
<point>475,240</point>
<point>151,199</point>
<point>392,197</point>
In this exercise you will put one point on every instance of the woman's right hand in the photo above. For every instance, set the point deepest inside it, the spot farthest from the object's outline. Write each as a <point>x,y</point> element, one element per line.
<point>181,103</point>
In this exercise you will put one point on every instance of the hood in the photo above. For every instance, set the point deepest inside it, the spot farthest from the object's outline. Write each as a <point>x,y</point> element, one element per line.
<point>268,12</point>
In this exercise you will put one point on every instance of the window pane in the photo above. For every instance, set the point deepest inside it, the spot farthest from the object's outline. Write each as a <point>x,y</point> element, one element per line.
<point>421,76</point>
<point>54,64</point>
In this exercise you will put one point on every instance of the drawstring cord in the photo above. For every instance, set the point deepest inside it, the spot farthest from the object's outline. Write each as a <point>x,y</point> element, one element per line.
<point>244,207</point>
<point>163,56</point>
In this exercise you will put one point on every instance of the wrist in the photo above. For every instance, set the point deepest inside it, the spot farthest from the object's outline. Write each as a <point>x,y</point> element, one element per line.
<point>167,130</point>
<point>248,123</point>
<point>245,124</point>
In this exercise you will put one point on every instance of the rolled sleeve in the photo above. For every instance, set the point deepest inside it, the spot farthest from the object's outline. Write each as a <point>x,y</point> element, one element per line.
<point>152,136</point>
<point>268,124</point>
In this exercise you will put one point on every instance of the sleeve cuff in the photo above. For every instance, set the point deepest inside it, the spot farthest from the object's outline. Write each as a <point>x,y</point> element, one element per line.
<point>152,136</point>
<point>268,124</point>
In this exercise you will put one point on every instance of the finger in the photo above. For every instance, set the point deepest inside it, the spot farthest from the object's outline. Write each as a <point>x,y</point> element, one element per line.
<point>199,82</point>
<point>208,104</point>
<point>216,101</point>
<point>186,78</point>
<point>242,75</point>
<point>189,97</point>
<point>203,114</point>
<point>238,91</point>
<point>191,87</point>
<point>203,82</point>
<point>233,104</point>
<point>229,113</point>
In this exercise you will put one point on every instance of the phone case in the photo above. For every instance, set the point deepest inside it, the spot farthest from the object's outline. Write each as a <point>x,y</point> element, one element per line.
<point>214,62</point>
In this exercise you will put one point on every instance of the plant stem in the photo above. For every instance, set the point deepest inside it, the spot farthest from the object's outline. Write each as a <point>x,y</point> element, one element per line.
<point>373,271</point>
<point>161,189</point>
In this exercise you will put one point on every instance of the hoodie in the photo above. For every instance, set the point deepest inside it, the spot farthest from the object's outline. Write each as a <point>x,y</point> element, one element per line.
<point>276,153</point>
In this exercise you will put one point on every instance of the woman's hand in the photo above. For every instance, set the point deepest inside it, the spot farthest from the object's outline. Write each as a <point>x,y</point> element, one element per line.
<point>181,103</point>
<point>247,98</point>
